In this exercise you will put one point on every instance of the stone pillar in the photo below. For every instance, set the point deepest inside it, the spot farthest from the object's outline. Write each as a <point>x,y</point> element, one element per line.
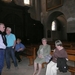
<point>38,9</point>
<point>43,5</point>
<point>43,16</point>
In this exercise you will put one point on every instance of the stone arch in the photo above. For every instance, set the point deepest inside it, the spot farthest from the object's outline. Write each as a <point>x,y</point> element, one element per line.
<point>61,32</point>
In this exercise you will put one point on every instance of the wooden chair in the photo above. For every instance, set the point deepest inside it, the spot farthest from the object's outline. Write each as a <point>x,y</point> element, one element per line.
<point>30,53</point>
<point>31,57</point>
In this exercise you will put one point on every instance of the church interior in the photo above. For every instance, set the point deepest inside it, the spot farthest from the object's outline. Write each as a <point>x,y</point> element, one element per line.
<point>32,20</point>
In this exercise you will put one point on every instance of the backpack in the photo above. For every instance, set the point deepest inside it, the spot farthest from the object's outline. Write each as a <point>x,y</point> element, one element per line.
<point>62,64</point>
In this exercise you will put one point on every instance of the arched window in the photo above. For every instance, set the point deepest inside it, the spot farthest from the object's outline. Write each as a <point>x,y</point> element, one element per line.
<point>53,26</point>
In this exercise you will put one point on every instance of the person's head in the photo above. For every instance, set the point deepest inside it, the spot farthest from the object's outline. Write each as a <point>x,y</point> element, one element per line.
<point>58,44</point>
<point>8,30</point>
<point>18,40</point>
<point>44,41</point>
<point>2,27</point>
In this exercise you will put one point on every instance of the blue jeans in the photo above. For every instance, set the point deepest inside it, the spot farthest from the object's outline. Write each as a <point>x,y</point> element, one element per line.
<point>1,59</point>
<point>10,54</point>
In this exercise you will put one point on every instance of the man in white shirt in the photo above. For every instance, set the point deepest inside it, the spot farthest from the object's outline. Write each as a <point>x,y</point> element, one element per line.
<point>2,46</point>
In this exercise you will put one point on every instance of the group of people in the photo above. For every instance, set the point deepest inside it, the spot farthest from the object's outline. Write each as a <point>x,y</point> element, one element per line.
<point>9,47</point>
<point>8,44</point>
<point>43,51</point>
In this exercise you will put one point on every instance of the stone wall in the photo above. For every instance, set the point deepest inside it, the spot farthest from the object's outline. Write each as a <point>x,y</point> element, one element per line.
<point>67,9</point>
<point>34,10</point>
<point>38,12</point>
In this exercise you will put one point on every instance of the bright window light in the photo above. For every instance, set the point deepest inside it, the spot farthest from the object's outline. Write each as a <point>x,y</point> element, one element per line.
<point>53,27</point>
<point>27,2</point>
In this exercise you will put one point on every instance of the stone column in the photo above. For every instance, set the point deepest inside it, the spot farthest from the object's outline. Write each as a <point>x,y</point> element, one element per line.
<point>38,9</point>
<point>43,16</point>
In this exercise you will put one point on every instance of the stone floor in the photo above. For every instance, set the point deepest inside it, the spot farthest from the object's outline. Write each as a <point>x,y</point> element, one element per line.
<point>24,69</point>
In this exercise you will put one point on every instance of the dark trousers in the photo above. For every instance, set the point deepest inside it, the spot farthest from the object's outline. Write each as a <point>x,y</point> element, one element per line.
<point>10,54</point>
<point>17,54</point>
<point>1,59</point>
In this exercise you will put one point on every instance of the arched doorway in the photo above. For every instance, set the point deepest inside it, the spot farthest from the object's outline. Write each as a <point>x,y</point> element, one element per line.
<point>58,21</point>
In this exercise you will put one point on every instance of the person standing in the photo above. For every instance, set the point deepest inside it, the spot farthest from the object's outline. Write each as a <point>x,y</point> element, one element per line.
<point>11,41</point>
<point>2,46</point>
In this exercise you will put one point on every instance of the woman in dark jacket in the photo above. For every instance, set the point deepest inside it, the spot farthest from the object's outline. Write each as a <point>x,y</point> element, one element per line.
<point>58,52</point>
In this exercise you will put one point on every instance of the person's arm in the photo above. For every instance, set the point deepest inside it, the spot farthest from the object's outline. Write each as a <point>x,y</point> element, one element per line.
<point>22,47</point>
<point>38,52</point>
<point>14,44</point>
<point>65,54</point>
<point>62,54</point>
<point>14,38</point>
